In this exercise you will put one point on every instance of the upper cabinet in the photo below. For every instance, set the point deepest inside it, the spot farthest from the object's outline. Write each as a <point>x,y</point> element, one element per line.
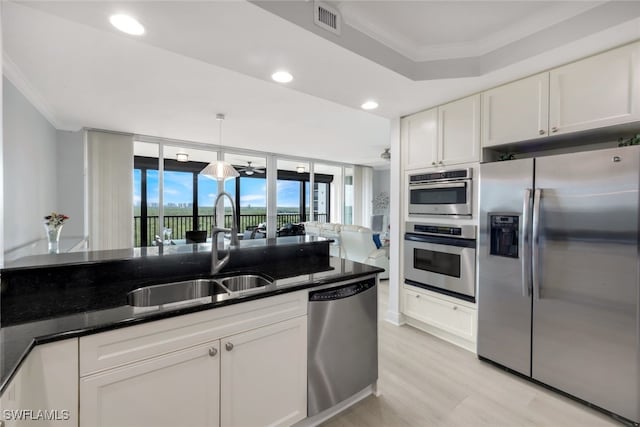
<point>598,91</point>
<point>420,139</point>
<point>459,131</point>
<point>517,111</point>
<point>447,135</point>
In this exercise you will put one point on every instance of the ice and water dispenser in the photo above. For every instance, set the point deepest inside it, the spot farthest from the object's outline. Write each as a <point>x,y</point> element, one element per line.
<point>504,235</point>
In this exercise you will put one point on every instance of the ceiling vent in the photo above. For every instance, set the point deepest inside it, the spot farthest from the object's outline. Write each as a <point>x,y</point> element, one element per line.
<point>327,17</point>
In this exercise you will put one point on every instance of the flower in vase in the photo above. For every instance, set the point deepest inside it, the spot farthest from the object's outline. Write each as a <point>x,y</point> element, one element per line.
<point>55,220</point>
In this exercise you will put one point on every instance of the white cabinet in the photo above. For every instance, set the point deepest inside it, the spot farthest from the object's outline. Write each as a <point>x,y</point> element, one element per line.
<point>459,131</point>
<point>443,136</point>
<point>241,365</point>
<point>449,318</point>
<point>264,376</point>
<point>181,388</point>
<point>598,91</point>
<point>44,390</point>
<point>517,111</point>
<point>420,139</point>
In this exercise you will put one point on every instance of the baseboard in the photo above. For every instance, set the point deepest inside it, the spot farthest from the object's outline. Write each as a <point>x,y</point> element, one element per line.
<point>395,318</point>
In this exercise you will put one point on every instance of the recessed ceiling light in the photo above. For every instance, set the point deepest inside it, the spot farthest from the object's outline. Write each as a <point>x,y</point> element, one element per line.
<point>282,76</point>
<point>182,157</point>
<point>127,24</point>
<point>300,169</point>
<point>369,105</point>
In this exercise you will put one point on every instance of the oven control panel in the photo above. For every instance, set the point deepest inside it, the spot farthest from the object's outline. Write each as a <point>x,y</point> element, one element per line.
<point>459,231</point>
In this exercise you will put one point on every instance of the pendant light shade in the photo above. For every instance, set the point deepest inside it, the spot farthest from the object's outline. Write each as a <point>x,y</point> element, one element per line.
<point>219,169</point>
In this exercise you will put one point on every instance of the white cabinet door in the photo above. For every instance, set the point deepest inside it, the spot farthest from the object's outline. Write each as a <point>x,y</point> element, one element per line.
<point>178,389</point>
<point>264,376</point>
<point>420,140</point>
<point>47,385</point>
<point>459,131</point>
<point>517,111</point>
<point>599,91</point>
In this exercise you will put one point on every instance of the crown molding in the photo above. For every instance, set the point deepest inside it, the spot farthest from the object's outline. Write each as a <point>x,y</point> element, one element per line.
<point>534,23</point>
<point>13,73</point>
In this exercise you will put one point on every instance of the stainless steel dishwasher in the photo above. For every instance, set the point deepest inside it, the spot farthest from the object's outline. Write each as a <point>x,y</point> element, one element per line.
<point>342,342</point>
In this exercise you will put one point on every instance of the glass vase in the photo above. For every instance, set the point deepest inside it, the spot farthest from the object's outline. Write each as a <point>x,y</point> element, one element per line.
<point>53,238</point>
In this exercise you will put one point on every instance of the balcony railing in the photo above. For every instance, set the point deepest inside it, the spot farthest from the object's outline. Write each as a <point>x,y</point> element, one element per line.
<point>180,224</point>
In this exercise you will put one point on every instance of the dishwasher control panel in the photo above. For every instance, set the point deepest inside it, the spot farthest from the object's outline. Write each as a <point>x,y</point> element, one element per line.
<point>340,292</point>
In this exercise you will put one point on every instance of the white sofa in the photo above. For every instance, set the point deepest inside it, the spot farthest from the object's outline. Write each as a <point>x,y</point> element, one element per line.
<point>352,242</point>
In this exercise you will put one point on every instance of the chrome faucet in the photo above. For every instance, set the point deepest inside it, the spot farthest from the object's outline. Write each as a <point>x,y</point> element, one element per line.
<point>216,263</point>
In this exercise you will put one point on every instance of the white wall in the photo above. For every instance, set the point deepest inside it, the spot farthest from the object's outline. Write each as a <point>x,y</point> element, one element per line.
<point>381,181</point>
<point>71,171</point>
<point>29,169</point>
<point>381,185</point>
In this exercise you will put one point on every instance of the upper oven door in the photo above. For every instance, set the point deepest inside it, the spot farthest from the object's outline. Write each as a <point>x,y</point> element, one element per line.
<point>441,198</point>
<point>441,262</point>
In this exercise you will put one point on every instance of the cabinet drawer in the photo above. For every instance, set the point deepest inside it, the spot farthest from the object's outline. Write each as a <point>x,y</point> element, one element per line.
<point>126,345</point>
<point>454,318</point>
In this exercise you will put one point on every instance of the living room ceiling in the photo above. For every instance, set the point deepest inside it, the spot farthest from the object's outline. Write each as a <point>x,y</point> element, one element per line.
<point>200,58</point>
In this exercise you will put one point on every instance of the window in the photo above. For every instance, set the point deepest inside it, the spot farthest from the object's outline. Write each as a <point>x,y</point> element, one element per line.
<point>181,201</point>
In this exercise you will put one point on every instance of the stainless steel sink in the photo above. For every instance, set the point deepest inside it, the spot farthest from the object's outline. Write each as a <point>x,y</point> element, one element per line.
<point>167,293</point>
<point>245,282</point>
<point>218,289</point>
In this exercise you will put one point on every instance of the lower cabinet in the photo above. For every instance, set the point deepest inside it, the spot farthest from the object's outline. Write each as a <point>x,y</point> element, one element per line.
<point>264,376</point>
<point>446,317</point>
<point>44,390</point>
<point>181,388</point>
<point>254,378</point>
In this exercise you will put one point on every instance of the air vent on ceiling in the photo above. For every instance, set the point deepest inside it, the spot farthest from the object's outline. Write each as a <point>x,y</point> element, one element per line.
<point>326,17</point>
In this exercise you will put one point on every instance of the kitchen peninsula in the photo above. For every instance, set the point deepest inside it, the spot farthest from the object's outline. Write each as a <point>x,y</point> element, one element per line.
<point>200,361</point>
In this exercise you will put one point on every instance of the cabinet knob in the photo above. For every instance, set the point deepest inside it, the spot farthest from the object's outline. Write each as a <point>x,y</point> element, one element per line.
<point>433,163</point>
<point>455,307</point>
<point>213,351</point>
<point>417,296</point>
<point>229,346</point>
<point>441,162</point>
<point>541,132</point>
<point>554,129</point>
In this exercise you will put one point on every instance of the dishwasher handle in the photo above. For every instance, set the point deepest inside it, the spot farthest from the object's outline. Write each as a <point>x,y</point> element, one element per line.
<point>340,292</point>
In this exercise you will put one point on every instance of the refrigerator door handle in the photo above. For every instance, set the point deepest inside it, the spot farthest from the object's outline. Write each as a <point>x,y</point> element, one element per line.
<point>525,244</point>
<point>535,262</point>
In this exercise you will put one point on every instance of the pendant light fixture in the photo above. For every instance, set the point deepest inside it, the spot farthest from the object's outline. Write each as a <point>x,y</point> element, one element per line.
<point>219,169</point>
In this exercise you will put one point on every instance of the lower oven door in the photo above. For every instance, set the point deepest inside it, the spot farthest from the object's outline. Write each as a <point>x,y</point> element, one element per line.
<point>441,264</point>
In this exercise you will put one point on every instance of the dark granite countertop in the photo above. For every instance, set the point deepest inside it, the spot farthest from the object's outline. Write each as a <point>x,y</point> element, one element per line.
<point>90,257</point>
<point>17,341</point>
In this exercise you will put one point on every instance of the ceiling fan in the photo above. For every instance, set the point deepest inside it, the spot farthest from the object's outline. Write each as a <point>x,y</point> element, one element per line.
<point>250,170</point>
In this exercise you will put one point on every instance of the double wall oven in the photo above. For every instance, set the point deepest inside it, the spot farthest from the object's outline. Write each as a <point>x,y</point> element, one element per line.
<point>441,258</point>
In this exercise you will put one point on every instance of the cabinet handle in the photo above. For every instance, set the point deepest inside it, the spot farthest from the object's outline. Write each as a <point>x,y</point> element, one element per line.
<point>554,129</point>
<point>213,351</point>
<point>229,346</point>
<point>541,132</point>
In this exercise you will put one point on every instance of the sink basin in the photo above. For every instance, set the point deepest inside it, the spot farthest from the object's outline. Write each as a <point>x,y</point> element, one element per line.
<point>167,293</point>
<point>245,282</point>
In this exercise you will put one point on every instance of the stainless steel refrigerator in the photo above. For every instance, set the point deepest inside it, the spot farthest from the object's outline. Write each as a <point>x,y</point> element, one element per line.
<point>558,266</point>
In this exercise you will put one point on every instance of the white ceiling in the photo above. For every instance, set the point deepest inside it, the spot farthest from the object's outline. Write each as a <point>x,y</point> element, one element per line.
<point>202,58</point>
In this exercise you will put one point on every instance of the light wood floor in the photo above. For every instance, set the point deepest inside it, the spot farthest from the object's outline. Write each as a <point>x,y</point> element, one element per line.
<point>428,382</point>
